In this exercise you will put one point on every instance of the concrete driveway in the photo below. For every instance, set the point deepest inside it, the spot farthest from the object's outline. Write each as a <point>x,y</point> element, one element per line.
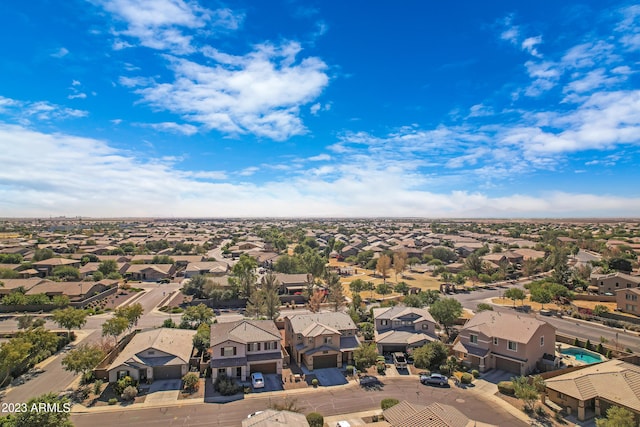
<point>494,376</point>
<point>272,382</point>
<point>330,376</point>
<point>163,391</point>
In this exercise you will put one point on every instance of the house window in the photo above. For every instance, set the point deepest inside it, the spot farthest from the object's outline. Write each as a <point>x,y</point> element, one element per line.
<point>495,341</point>
<point>327,340</point>
<point>310,340</point>
<point>384,322</point>
<point>122,374</point>
<point>560,395</point>
<point>512,345</point>
<point>228,351</point>
<point>151,352</point>
<point>254,346</point>
<point>473,338</point>
<point>541,341</point>
<point>299,336</point>
<point>425,326</point>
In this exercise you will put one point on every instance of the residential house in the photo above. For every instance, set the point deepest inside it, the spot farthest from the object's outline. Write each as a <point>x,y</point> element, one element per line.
<point>150,272</point>
<point>400,328</point>
<point>245,346</point>
<point>291,284</point>
<point>590,391</point>
<point>627,300</point>
<point>155,354</point>
<point>273,418</point>
<point>208,268</point>
<point>406,414</point>
<point>609,283</point>
<point>321,340</point>
<point>507,341</point>
<point>45,267</point>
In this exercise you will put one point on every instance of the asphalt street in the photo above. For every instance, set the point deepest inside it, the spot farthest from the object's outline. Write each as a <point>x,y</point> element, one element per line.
<point>326,401</point>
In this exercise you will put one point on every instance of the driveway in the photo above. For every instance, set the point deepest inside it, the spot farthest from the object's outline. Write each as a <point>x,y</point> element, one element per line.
<point>163,391</point>
<point>272,382</point>
<point>494,376</point>
<point>329,376</point>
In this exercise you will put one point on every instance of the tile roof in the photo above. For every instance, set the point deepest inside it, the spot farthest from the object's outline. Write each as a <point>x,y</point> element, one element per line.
<point>402,337</point>
<point>615,381</point>
<point>273,418</point>
<point>336,320</point>
<point>177,342</point>
<point>508,326</point>
<point>245,331</point>
<point>399,311</point>
<point>406,414</point>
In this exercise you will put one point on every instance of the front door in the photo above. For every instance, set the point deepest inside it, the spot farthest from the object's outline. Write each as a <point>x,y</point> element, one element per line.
<point>239,371</point>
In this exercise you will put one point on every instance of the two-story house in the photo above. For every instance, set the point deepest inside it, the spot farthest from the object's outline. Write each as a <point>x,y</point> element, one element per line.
<point>321,340</point>
<point>400,328</point>
<point>240,348</point>
<point>511,342</point>
<point>628,300</point>
<point>610,283</point>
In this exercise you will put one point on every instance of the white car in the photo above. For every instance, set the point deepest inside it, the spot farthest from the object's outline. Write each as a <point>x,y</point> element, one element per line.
<point>257,380</point>
<point>343,424</point>
<point>254,414</point>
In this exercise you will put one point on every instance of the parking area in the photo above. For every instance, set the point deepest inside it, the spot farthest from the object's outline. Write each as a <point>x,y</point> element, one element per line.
<point>164,391</point>
<point>272,382</point>
<point>330,376</point>
<point>494,376</point>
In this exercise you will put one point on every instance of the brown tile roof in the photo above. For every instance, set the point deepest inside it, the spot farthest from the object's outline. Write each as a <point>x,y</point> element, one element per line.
<point>176,342</point>
<point>508,326</point>
<point>245,331</point>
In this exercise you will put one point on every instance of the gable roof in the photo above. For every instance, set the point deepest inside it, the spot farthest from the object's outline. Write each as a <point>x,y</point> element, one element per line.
<point>177,342</point>
<point>273,418</point>
<point>615,381</point>
<point>333,320</point>
<point>406,414</point>
<point>245,331</point>
<point>398,311</point>
<point>508,326</point>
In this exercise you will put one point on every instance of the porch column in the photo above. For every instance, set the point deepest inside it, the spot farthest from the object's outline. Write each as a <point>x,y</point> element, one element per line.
<point>581,411</point>
<point>597,407</point>
<point>481,365</point>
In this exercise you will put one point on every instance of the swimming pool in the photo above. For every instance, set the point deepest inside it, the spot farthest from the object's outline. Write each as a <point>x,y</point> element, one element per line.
<point>582,355</point>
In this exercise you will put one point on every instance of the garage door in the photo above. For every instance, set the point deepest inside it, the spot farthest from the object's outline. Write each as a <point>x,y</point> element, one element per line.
<point>265,368</point>
<point>330,361</point>
<point>508,365</point>
<point>167,372</point>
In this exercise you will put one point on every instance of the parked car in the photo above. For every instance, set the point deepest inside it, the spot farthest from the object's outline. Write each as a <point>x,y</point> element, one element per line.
<point>343,424</point>
<point>399,360</point>
<point>257,380</point>
<point>253,414</point>
<point>434,379</point>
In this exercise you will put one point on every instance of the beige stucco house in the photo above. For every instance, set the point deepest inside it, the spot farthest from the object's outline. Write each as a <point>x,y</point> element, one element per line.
<point>400,328</point>
<point>240,348</point>
<point>507,341</point>
<point>321,340</point>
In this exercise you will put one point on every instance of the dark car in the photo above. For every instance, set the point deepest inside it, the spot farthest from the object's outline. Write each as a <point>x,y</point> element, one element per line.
<point>434,379</point>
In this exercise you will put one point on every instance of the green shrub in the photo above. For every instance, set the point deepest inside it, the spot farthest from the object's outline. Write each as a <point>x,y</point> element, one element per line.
<point>475,373</point>
<point>123,383</point>
<point>97,386</point>
<point>113,401</point>
<point>388,403</point>
<point>314,382</point>
<point>466,378</point>
<point>576,342</point>
<point>350,371</point>
<point>191,382</point>
<point>129,393</point>
<point>600,348</point>
<point>315,419</point>
<point>226,386</point>
<point>506,387</point>
<point>608,354</point>
<point>587,345</point>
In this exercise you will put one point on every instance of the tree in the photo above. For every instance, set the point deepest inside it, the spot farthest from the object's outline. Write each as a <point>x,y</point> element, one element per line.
<point>132,313</point>
<point>114,327</point>
<point>255,305</point>
<point>529,267</point>
<point>70,318</point>
<point>399,262</point>
<point>620,264</point>
<point>316,299</point>
<point>365,355</point>
<point>413,301</point>
<point>83,358</point>
<point>14,354</point>
<point>336,292</point>
<point>196,315</point>
<point>202,338</point>
<point>443,254</point>
<point>196,286</point>
<point>525,391</point>
<point>428,297</point>
<point>42,254</point>
<point>515,294</point>
<point>287,264</point>
<point>401,288</point>
<point>383,288</point>
<point>269,289</point>
<point>430,355</point>
<point>107,267</point>
<point>383,265</point>
<point>617,417</point>
<point>28,321</point>
<point>541,295</point>
<point>36,417</point>
<point>315,419</point>
<point>66,272</point>
<point>474,263</point>
<point>357,286</point>
<point>446,311</point>
<point>244,270</point>
<point>600,309</point>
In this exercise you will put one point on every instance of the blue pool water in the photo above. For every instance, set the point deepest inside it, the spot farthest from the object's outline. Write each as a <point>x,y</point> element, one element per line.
<point>583,355</point>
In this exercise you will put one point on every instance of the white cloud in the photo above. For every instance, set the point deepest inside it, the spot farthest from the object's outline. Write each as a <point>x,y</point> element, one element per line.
<point>26,111</point>
<point>60,53</point>
<point>79,95</point>
<point>480,110</point>
<point>529,44</point>
<point>249,171</point>
<point>315,108</point>
<point>320,158</point>
<point>116,121</point>
<point>259,93</point>
<point>160,24</point>
<point>185,129</point>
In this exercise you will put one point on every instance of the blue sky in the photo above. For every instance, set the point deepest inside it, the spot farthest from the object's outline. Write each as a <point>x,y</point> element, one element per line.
<point>298,108</point>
